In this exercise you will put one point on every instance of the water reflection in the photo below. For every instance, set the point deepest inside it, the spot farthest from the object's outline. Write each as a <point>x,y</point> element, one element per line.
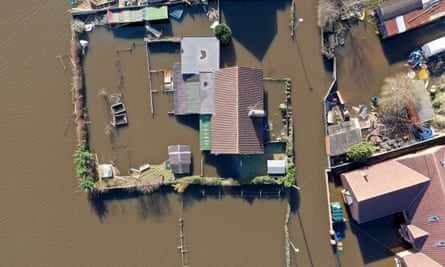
<point>254,31</point>
<point>156,206</point>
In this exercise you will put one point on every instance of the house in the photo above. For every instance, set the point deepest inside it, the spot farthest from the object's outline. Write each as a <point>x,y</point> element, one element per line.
<point>413,184</point>
<point>199,54</point>
<point>180,158</point>
<point>277,167</point>
<point>381,190</point>
<point>193,94</point>
<point>398,16</point>
<point>236,126</point>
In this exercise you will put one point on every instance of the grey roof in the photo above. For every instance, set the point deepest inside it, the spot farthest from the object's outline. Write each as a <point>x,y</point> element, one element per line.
<point>207,92</point>
<point>199,54</point>
<point>277,167</point>
<point>186,92</point>
<point>180,157</point>
<point>106,170</point>
<point>342,136</point>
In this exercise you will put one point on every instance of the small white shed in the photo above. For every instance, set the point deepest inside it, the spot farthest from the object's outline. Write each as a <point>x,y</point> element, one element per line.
<point>277,167</point>
<point>106,171</point>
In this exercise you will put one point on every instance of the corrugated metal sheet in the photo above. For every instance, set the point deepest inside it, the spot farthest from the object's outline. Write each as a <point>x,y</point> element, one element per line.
<point>186,92</point>
<point>277,167</point>
<point>132,15</point>
<point>393,8</point>
<point>207,92</point>
<point>180,157</point>
<point>155,13</point>
<point>237,89</point>
<point>204,133</point>
<point>410,20</point>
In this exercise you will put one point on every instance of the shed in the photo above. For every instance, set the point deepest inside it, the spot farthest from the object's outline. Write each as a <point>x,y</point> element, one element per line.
<point>180,158</point>
<point>106,171</point>
<point>199,54</point>
<point>277,167</point>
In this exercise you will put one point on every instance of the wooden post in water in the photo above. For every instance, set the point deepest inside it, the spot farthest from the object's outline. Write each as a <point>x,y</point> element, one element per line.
<point>182,248</point>
<point>61,61</point>
<point>202,164</point>
<point>149,80</point>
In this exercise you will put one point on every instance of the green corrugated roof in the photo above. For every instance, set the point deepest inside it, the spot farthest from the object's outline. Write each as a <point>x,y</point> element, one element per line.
<point>125,15</point>
<point>193,97</point>
<point>204,133</point>
<point>156,13</point>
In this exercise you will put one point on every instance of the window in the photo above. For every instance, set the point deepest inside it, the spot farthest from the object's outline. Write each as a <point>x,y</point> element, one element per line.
<point>433,218</point>
<point>440,243</point>
<point>347,197</point>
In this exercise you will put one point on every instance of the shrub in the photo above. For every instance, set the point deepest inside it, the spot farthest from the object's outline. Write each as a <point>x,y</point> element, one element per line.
<point>360,152</point>
<point>223,33</point>
<point>289,179</point>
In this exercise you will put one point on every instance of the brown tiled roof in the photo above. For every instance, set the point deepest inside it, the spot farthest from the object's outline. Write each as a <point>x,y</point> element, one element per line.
<point>419,260</point>
<point>237,89</point>
<point>382,189</point>
<point>430,163</point>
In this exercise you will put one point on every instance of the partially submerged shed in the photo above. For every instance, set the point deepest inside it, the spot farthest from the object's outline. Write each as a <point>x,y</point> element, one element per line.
<point>105,171</point>
<point>180,158</point>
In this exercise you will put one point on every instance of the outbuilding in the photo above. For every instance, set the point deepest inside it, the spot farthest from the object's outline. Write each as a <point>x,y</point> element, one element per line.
<point>277,167</point>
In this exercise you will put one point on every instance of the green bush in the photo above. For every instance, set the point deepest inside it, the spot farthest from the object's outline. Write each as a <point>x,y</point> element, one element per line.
<point>360,152</point>
<point>223,33</point>
<point>82,159</point>
<point>289,179</point>
<point>86,183</point>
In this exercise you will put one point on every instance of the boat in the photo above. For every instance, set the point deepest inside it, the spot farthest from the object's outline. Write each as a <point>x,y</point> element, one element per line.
<point>176,12</point>
<point>168,82</point>
<point>153,31</point>
<point>120,119</point>
<point>118,108</point>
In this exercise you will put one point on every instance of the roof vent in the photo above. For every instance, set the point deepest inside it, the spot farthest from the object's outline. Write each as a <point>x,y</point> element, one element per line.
<point>433,218</point>
<point>364,175</point>
<point>440,243</point>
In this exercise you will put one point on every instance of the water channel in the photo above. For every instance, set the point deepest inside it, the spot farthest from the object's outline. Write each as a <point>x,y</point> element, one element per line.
<point>46,221</point>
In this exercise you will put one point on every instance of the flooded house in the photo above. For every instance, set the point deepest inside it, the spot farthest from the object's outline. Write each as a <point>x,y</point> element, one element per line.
<point>236,126</point>
<point>398,16</point>
<point>413,185</point>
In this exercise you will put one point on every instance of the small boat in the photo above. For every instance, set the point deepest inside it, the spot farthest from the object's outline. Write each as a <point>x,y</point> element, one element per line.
<point>118,108</point>
<point>176,12</point>
<point>89,27</point>
<point>153,31</point>
<point>120,119</point>
<point>168,82</point>
<point>144,167</point>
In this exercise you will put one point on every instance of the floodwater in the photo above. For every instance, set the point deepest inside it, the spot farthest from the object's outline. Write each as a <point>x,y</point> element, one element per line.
<point>46,221</point>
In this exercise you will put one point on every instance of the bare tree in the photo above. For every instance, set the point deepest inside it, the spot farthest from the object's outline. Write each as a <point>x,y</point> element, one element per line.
<point>329,12</point>
<point>397,93</point>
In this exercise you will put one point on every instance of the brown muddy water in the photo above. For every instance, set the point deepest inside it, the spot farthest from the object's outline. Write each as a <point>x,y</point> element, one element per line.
<point>46,221</point>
